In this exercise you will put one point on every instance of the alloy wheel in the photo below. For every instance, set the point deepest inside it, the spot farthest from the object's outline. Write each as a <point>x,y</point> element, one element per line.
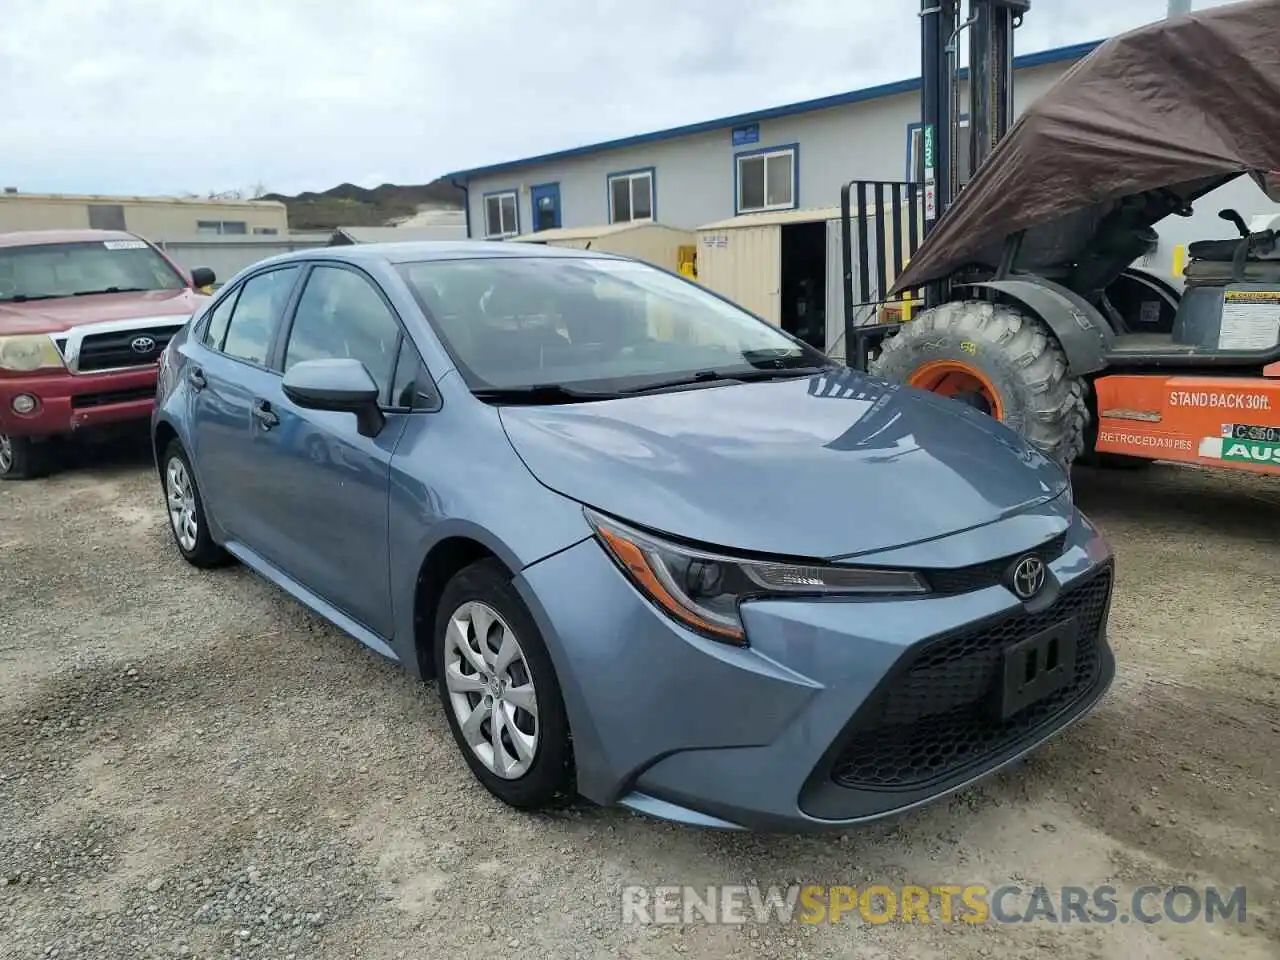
<point>491,689</point>
<point>182,504</point>
<point>6,453</point>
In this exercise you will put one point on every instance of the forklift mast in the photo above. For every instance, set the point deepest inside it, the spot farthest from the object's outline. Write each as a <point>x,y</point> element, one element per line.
<point>990,25</point>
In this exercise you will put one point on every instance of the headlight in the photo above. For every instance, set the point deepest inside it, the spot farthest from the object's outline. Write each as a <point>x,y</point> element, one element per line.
<point>702,590</point>
<point>26,353</point>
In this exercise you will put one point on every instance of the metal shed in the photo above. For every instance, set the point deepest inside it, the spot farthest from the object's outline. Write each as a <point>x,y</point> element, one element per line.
<point>651,242</point>
<point>785,266</point>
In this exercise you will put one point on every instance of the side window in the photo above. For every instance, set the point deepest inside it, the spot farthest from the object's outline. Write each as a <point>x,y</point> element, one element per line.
<point>257,311</point>
<point>411,388</point>
<point>340,314</point>
<point>215,331</point>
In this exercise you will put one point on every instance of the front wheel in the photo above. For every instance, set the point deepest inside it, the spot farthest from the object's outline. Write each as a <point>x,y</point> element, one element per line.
<point>185,509</point>
<point>22,458</point>
<point>1004,362</point>
<point>500,691</point>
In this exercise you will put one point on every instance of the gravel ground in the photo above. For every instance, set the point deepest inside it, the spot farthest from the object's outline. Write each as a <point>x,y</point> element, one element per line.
<point>193,765</point>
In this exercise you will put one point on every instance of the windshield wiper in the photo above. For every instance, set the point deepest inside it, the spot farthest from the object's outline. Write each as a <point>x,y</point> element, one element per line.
<point>719,376</point>
<point>90,293</point>
<point>539,393</point>
<point>28,298</point>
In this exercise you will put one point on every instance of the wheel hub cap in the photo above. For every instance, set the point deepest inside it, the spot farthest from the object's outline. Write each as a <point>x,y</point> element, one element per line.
<point>182,504</point>
<point>491,690</point>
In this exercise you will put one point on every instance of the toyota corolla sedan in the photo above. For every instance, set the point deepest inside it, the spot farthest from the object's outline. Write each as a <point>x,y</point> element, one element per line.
<point>652,550</point>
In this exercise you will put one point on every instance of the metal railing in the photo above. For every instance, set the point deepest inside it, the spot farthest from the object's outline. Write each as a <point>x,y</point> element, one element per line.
<point>882,225</point>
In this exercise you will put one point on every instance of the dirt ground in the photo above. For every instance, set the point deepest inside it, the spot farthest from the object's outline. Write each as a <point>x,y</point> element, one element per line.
<point>193,765</point>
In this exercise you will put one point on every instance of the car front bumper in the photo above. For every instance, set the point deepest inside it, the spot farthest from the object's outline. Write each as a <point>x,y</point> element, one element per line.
<point>837,712</point>
<point>67,403</point>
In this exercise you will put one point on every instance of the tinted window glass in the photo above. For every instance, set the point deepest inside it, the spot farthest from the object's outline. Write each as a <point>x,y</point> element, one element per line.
<point>216,329</point>
<point>340,314</point>
<point>523,321</point>
<point>257,311</point>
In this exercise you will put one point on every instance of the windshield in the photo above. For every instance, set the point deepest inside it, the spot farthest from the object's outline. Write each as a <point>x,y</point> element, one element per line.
<point>47,271</point>
<point>591,324</point>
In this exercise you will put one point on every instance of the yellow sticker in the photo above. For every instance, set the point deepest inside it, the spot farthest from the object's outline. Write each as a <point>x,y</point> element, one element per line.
<point>970,348</point>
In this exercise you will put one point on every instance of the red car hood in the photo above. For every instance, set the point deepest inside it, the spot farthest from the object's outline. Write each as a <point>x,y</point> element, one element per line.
<point>54,316</point>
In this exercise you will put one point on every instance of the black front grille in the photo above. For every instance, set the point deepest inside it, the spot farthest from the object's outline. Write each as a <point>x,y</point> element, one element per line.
<point>113,396</point>
<point>991,572</point>
<point>931,720</point>
<point>107,351</point>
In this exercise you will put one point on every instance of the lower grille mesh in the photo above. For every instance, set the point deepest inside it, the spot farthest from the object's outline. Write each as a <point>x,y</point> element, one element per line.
<point>932,721</point>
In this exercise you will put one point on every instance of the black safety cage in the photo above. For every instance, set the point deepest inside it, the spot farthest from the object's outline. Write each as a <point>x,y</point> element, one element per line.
<point>881,228</point>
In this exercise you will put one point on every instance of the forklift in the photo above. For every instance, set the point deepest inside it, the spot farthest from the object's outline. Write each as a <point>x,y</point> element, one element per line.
<point>1025,300</point>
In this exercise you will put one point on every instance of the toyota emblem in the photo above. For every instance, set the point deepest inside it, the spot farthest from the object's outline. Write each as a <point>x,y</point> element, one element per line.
<point>143,345</point>
<point>1028,577</point>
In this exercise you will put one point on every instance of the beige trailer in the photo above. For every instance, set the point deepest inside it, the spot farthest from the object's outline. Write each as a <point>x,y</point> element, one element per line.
<point>653,243</point>
<point>787,267</point>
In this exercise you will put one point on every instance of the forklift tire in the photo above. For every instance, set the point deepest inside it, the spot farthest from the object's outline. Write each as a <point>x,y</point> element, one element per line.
<point>1000,359</point>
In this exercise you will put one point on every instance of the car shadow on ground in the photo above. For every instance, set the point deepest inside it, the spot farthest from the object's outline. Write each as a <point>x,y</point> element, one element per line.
<point>124,452</point>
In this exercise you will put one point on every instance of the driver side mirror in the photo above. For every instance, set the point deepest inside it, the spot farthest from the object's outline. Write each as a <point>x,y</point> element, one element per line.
<point>202,277</point>
<point>340,385</point>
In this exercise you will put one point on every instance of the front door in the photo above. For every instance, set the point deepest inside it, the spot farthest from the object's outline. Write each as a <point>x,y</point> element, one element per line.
<point>331,522</point>
<point>545,201</point>
<point>226,368</point>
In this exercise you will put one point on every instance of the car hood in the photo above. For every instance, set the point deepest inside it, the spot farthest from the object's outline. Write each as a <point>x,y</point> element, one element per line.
<point>55,316</point>
<point>833,465</point>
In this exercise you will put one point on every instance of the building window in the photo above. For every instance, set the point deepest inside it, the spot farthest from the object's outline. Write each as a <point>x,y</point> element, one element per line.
<point>221,226</point>
<point>915,151</point>
<point>265,231</point>
<point>501,217</point>
<point>767,179</point>
<point>631,196</point>
<point>106,216</point>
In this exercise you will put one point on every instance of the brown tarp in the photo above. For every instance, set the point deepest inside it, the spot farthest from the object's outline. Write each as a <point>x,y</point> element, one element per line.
<point>1187,99</point>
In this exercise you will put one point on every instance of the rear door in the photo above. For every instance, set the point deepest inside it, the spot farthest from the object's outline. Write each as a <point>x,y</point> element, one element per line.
<point>227,367</point>
<point>330,530</point>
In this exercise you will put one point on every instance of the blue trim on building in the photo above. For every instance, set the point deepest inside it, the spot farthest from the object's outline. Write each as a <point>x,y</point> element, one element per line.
<point>653,190</point>
<point>466,204</point>
<point>795,176</point>
<point>484,207</point>
<point>1039,59</point>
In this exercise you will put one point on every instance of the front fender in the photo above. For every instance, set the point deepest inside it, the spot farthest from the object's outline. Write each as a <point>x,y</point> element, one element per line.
<point>1079,326</point>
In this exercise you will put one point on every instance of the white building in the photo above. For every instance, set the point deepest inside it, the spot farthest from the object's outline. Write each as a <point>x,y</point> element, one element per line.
<point>782,158</point>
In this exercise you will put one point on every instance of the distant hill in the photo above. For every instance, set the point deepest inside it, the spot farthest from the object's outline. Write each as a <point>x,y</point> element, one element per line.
<point>347,205</point>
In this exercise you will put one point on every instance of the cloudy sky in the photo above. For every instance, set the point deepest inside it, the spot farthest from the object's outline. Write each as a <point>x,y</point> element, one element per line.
<point>167,96</point>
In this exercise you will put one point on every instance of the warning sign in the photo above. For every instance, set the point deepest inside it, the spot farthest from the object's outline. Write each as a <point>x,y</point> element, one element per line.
<point>1250,320</point>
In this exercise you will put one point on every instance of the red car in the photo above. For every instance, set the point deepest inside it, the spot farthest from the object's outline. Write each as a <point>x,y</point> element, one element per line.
<point>84,316</point>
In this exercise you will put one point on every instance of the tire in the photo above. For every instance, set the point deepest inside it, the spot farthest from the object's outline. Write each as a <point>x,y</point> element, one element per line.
<point>544,776</point>
<point>198,550</point>
<point>22,458</point>
<point>1015,352</point>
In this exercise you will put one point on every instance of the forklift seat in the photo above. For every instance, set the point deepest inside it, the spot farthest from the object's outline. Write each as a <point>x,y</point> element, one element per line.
<point>1216,250</point>
<point>1220,271</point>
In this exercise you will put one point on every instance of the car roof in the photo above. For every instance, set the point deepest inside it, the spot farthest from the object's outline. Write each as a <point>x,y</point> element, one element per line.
<point>420,250</point>
<point>29,238</point>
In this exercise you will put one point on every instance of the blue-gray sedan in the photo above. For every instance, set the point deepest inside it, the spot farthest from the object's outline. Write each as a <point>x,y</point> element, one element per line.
<point>652,550</point>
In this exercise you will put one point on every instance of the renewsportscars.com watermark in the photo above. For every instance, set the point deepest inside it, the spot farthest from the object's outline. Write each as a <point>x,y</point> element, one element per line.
<point>946,903</point>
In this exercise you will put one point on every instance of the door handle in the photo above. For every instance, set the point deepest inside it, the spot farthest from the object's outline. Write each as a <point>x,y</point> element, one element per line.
<point>265,415</point>
<point>195,377</point>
